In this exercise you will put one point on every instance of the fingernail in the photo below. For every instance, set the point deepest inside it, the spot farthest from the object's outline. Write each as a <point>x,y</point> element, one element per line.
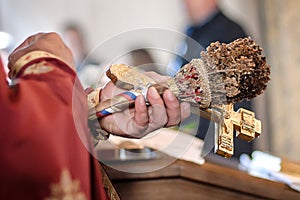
<point>152,91</point>
<point>141,100</point>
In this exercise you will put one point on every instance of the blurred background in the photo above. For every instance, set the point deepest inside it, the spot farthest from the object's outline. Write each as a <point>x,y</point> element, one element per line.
<point>274,24</point>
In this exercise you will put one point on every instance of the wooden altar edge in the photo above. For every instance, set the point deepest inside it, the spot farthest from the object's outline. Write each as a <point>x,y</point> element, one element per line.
<point>210,175</point>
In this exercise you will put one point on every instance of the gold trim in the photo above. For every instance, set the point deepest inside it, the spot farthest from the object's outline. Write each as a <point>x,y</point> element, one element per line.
<point>29,57</point>
<point>108,186</point>
<point>38,68</point>
<point>66,188</point>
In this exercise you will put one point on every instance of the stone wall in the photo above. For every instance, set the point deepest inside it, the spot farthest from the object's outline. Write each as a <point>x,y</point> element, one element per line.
<point>282,38</point>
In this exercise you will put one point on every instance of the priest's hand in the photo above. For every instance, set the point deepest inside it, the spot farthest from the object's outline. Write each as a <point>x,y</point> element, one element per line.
<point>48,42</point>
<point>137,122</point>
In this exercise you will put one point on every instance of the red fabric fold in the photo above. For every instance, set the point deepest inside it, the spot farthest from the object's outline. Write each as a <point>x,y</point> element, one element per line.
<point>40,142</point>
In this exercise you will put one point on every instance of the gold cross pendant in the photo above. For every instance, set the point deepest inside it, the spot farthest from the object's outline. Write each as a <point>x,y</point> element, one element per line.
<point>242,121</point>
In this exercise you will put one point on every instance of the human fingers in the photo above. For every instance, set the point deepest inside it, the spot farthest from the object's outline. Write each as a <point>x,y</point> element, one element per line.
<point>175,115</point>
<point>157,111</point>
<point>110,90</point>
<point>140,120</point>
<point>141,112</point>
<point>48,42</point>
<point>172,108</point>
<point>24,44</point>
<point>53,43</point>
<point>21,50</point>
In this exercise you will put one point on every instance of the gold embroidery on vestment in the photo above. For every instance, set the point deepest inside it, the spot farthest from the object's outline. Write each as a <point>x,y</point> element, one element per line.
<point>66,188</point>
<point>39,68</point>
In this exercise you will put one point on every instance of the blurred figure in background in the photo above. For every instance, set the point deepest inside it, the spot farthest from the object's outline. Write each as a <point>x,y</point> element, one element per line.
<point>74,38</point>
<point>88,70</point>
<point>207,24</point>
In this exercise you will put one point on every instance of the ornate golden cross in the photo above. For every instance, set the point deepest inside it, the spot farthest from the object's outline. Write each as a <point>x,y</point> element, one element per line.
<point>227,121</point>
<point>242,121</point>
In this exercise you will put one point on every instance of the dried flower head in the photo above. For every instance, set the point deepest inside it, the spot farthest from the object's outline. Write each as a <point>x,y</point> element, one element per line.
<point>225,73</point>
<point>240,66</point>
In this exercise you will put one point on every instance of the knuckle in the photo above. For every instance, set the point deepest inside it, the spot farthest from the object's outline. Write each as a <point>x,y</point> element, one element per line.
<point>53,34</point>
<point>173,122</point>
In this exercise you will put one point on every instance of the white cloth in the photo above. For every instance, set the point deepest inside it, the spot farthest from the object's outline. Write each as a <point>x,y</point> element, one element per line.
<point>172,142</point>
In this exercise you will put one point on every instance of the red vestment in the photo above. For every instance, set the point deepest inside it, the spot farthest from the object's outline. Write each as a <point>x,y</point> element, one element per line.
<point>42,155</point>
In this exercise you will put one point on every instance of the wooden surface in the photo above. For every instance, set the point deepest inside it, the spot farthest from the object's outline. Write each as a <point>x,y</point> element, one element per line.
<point>186,180</point>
